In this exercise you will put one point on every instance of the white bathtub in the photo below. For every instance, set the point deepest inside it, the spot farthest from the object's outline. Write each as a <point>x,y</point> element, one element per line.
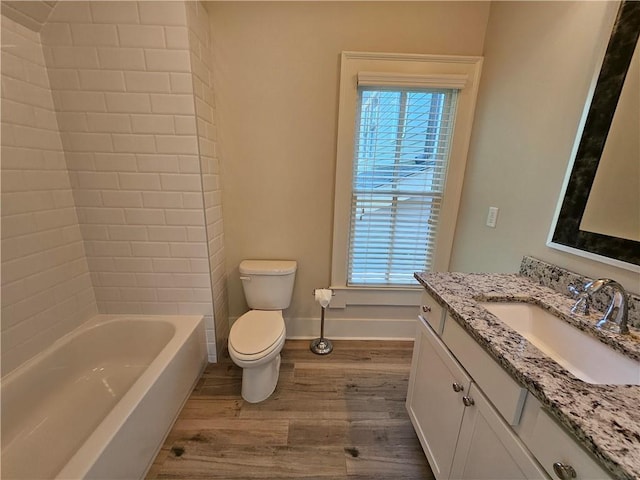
<point>99,402</point>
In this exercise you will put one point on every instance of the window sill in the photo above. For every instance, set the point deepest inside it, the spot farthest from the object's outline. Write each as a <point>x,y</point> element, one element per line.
<point>376,296</point>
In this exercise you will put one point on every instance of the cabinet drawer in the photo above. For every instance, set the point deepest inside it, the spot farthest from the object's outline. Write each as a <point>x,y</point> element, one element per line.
<point>504,392</point>
<point>550,444</point>
<point>431,312</point>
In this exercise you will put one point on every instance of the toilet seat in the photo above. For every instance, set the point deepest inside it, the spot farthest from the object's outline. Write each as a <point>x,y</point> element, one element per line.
<point>256,334</point>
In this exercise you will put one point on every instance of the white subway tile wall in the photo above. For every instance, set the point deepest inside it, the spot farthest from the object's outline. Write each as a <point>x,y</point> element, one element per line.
<point>46,286</point>
<point>110,114</point>
<point>32,14</point>
<point>127,120</point>
<point>201,57</point>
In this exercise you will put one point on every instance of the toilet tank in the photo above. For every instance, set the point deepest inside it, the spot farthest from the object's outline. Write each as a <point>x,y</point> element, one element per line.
<point>268,284</point>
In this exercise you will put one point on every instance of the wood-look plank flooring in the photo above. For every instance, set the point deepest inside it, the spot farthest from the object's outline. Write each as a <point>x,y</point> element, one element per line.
<point>339,416</point>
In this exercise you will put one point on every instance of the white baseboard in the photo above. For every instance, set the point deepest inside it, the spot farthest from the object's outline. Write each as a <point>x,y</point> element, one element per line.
<point>351,328</point>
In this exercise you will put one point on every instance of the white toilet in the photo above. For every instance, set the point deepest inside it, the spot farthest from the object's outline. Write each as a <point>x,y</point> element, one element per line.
<point>257,337</point>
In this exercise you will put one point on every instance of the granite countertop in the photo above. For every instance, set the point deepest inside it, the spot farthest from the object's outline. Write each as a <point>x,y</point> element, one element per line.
<point>605,419</point>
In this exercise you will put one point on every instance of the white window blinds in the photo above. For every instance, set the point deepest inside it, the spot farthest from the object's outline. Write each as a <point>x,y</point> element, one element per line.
<point>402,146</point>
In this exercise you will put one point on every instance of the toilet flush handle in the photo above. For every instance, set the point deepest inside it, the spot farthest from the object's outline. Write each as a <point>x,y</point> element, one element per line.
<point>245,278</point>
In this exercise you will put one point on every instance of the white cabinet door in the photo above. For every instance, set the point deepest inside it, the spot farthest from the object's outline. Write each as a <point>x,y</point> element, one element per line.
<point>488,449</point>
<point>434,401</point>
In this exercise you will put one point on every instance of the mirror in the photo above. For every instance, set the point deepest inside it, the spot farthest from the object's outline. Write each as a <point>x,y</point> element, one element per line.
<point>597,218</point>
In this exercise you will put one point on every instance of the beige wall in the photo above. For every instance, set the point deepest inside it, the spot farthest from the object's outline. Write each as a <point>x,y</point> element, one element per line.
<point>46,288</point>
<point>539,62</point>
<point>276,71</point>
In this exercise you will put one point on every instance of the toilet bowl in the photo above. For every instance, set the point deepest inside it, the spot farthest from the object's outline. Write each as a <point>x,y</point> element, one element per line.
<point>257,337</point>
<point>255,342</point>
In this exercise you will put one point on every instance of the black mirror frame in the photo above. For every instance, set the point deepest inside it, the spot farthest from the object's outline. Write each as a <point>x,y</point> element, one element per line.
<point>617,59</point>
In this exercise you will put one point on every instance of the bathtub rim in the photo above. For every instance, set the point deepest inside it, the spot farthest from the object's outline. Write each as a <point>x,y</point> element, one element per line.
<point>79,465</point>
<point>93,322</point>
<point>82,461</point>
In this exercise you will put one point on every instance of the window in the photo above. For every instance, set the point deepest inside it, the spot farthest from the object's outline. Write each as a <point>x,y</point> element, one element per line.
<point>403,132</point>
<point>399,167</point>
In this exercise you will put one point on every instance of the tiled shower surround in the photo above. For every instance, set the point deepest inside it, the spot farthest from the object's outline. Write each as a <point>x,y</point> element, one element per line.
<point>124,167</point>
<point>46,289</point>
<point>201,58</point>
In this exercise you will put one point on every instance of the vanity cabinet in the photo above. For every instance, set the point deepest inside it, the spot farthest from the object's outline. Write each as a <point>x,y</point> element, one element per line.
<point>474,420</point>
<point>461,433</point>
<point>437,385</point>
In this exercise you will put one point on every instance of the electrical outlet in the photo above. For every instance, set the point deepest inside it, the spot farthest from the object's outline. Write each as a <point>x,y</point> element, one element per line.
<point>492,217</point>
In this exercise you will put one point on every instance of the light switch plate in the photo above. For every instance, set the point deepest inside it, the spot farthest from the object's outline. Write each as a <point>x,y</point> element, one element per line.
<point>492,217</point>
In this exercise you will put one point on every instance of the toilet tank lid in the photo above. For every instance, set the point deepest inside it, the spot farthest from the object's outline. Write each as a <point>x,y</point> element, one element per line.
<point>268,267</point>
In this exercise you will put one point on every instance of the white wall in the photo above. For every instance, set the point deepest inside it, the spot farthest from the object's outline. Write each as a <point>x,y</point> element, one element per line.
<point>46,288</point>
<point>540,58</point>
<point>276,67</point>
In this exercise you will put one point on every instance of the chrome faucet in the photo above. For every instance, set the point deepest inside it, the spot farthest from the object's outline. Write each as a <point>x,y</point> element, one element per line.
<point>617,314</point>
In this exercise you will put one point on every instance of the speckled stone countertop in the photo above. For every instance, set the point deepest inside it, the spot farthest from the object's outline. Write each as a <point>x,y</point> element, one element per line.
<point>605,419</point>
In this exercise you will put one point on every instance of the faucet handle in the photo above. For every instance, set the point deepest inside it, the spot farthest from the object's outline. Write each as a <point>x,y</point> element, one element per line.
<point>583,300</point>
<point>575,291</point>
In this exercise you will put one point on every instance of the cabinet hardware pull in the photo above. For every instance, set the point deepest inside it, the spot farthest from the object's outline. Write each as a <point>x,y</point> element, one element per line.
<point>426,308</point>
<point>457,387</point>
<point>564,472</point>
<point>468,401</point>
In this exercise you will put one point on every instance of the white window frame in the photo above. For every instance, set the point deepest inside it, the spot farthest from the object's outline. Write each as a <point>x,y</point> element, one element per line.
<point>391,69</point>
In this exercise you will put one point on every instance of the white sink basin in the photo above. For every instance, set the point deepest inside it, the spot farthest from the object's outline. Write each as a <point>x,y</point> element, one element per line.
<point>582,355</point>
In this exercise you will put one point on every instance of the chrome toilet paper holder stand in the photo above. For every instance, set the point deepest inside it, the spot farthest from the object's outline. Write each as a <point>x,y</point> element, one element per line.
<point>321,346</point>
